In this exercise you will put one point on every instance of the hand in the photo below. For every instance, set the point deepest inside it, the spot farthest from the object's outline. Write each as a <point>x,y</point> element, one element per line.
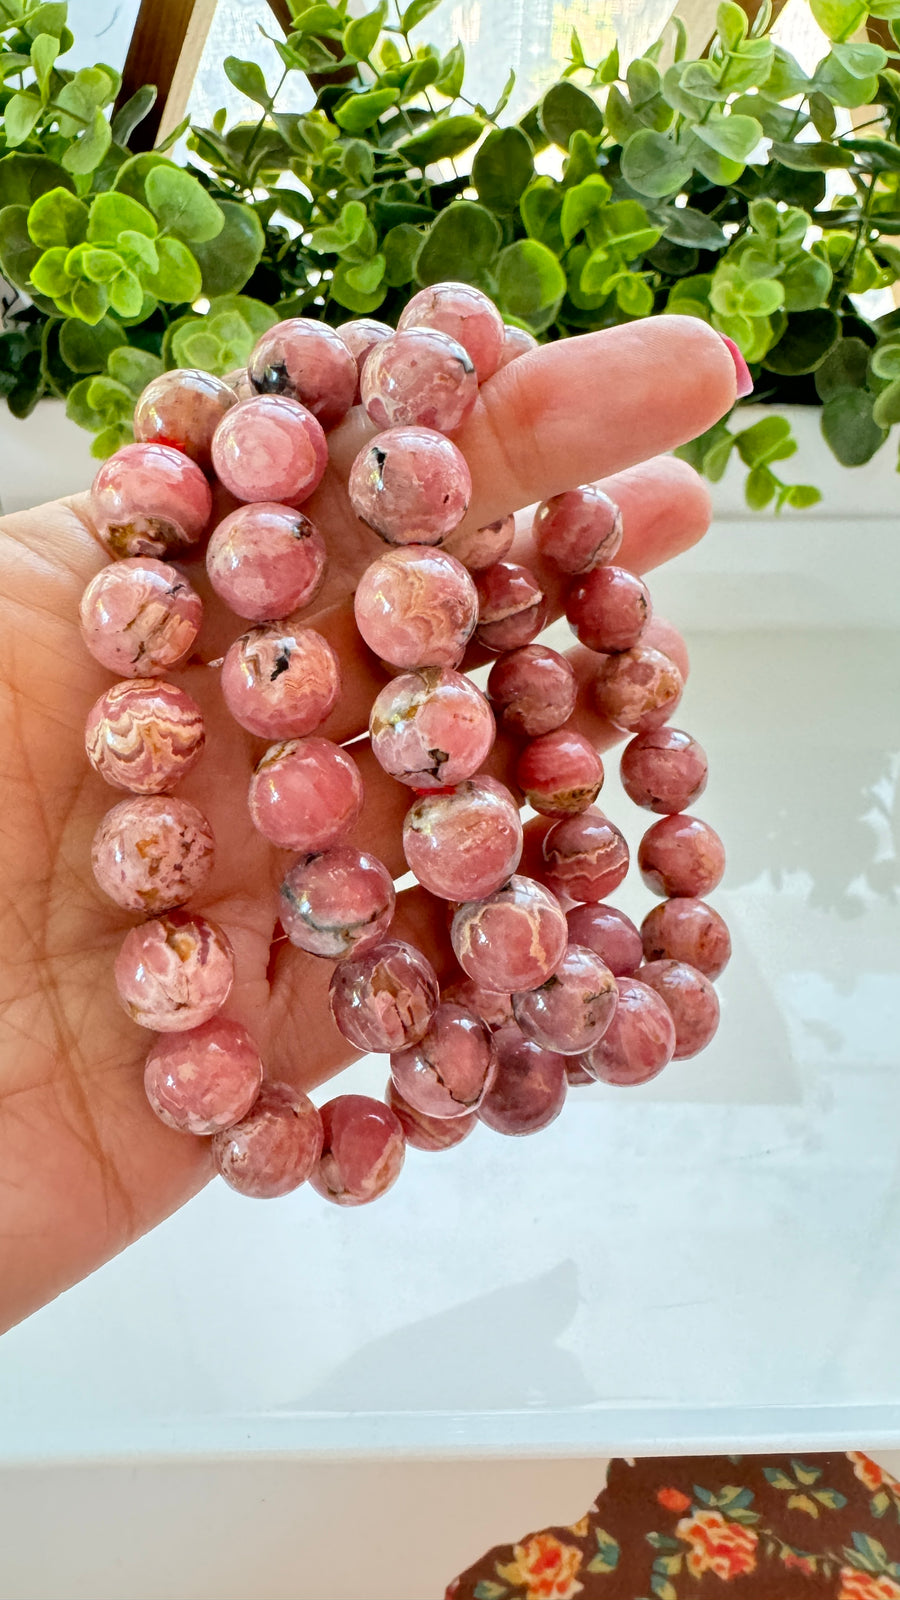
<point>85,1167</point>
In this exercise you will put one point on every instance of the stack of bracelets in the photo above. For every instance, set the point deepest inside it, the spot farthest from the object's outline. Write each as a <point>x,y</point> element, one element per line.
<point>557,987</point>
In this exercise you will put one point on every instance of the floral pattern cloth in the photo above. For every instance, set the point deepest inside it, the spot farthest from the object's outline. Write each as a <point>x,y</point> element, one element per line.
<point>771,1528</point>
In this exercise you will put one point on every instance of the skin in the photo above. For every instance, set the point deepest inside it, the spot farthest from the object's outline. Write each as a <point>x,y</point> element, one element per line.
<point>85,1166</point>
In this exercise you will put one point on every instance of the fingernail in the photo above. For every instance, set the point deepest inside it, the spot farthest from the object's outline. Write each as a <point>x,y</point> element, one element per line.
<point>744,380</point>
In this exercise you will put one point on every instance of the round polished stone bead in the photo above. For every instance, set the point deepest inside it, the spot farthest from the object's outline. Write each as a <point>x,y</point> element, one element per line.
<point>512,606</point>
<point>431,729</point>
<point>493,1008</point>
<point>428,1133</point>
<point>270,448</point>
<point>205,1079</point>
<point>338,903</point>
<point>144,735</point>
<point>309,362</point>
<point>266,560</point>
<point>639,1041</point>
<point>384,999</point>
<point>574,1008</point>
<point>149,500</point>
<point>608,609</point>
<point>175,972</point>
<point>610,934</point>
<point>238,380</point>
<point>183,408</point>
<point>691,1000</point>
<point>420,378</point>
<point>466,314</point>
<point>560,773</point>
<point>638,689</point>
<point>528,1090</point>
<point>274,1148</point>
<point>361,335</point>
<point>306,794</point>
<point>663,770</point>
<point>533,690</point>
<point>680,855</point>
<point>281,681</point>
<point>578,530</point>
<point>465,842</point>
<point>410,485</point>
<point>416,606</point>
<point>586,856</point>
<point>481,547</point>
<point>152,853</point>
<point>577,1076</point>
<point>362,1150</point>
<point>446,1073</point>
<point>139,617</point>
<point>512,939</point>
<point>687,930</point>
<point>516,342</point>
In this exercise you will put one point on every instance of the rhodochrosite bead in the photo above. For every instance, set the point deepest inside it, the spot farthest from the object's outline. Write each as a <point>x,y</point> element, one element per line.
<point>512,607</point>
<point>586,856</point>
<point>305,794</point>
<point>446,1073</point>
<point>139,617</point>
<point>428,1133</point>
<point>466,314</point>
<point>528,1089</point>
<point>152,853</point>
<point>336,903</point>
<point>238,380</point>
<point>431,729</point>
<point>360,335</point>
<point>411,485</point>
<point>144,735</point>
<point>309,362</point>
<point>416,607</point>
<point>532,690</point>
<point>203,1080</point>
<point>687,930</point>
<point>270,448</point>
<point>281,681</point>
<point>610,934</point>
<point>420,378</point>
<point>266,560</point>
<point>362,1150</point>
<point>608,609</point>
<point>384,999</point>
<point>183,409</point>
<point>663,770</point>
<point>481,547</point>
<point>175,972</point>
<point>149,500</point>
<point>560,773</point>
<point>512,939</point>
<point>578,530</point>
<point>574,1008</point>
<point>274,1148</point>
<point>493,1008</point>
<point>577,1076</point>
<point>465,843</point>
<point>681,855</point>
<point>637,689</point>
<point>639,1041</point>
<point>691,1000</point>
<point>516,342</point>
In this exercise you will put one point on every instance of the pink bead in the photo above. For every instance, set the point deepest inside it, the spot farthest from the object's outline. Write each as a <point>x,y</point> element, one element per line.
<point>533,690</point>
<point>416,607</point>
<point>574,1008</point>
<point>680,855</point>
<point>446,1073</point>
<point>274,1148</point>
<point>512,939</point>
<point>152,853</point>
<point>481,547</point>
<point>360,336</point>
<point>338,903</point>
<point>610,934</point>
<point>431,729</point>
<point>687,930</point>
<point>638,689</point>
<point>560,773</point>
<point>270,448</point>
<point>183,409</point>
<point>608,609</point>
<point>149,500</point>
<point>577,1076</point>
<point>362,1150</point>
<point>466,314</point>
<point>281,681</point>
<point>639,1041</point>
<point>512,607</point>
<point>238,380</point>
<point>464,843</point>
<point>266,560</point>
<point>664,770</point>
<point>578,530</point>
<point>384,1000</point>
<point>175,972</point>
<point>428,1133</point>
<point>516,342</point>
<point>586,856</point>
<point>203,1080</point>
<point>139,617</point>
<point>691,1000</point>
<point>306,794</point>
<point>144,735</point>
<point>411,485</point>
<point>528,1091</point>
<point>420,379</point>
<point>308,362</point>
<point>493,1008</point>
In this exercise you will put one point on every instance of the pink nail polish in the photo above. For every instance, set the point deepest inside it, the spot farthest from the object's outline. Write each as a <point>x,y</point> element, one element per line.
<point>744,380</point>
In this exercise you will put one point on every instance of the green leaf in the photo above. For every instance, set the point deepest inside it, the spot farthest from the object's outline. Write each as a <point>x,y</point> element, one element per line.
<point>661,1587</point>
<point>581,204</point>
<point>731,24</point>
<point>90,300</point>
<point>786,78</point>
<point>49,274</point>
<point>607,1557</point>
<point>860,60</point>
<point>182,206</point>
<point>806,282</point>
<point>634,295</point>
<point>355,299</point>
<point>693,229</point>
<point>44,51</point>
<point>830,1497</point>
<point>90,146</point>
<point>87,349</point>
<point>228,261</point>
<point>880,1503</point>
<point>843,87</point>
<point>620,118</point>
<point>19,117</point>
<point>540,209</point>
<point>113,214</point>
<point>625,225</point>
<point>503,98</point>
<point>133,112</point>
<point>800,495</point>
<point>838,19</point>
<point>806,341</point>
<point>810,156</point>
<point>361,111</point>
<point>653,165</point>
<point>248,79</point>
<point>445,138</point>
<point>125,293</point>
<point>732,136</point>
<point>416,12</point>
<point>460,244</point>
<point>564,108</point>
<point>530,280</point>
<point>358,162</point>
<point>401,247</point>
<point>849,427</point>
<point>885,411</point>
<point>133,368</point>
<point>449,80</point>
<point>366,275</point>
<point>846,367</point>
<point>24,178</point>
<point>764,442</point>
<point>759,488</point>
<point>178,277</point>
<point>761,297</point>
<point>100,265</point>
<point>361,35</point>
<point>57,218</point>
<point>608,69</point>
<point>503,168</point>
<point>774,1475</point>
<point>701,79</point>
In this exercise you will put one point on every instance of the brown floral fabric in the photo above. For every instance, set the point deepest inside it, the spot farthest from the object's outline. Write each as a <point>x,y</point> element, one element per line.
<point>771,1528</point>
